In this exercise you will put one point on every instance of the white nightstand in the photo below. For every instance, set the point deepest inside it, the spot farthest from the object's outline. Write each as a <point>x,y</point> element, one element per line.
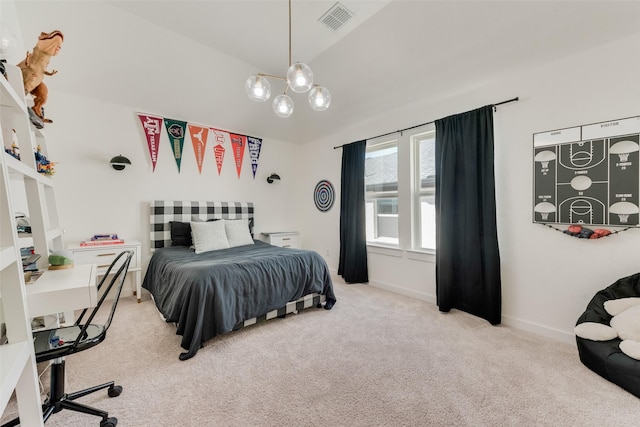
<point>284,239</point>
<point>102,256</point>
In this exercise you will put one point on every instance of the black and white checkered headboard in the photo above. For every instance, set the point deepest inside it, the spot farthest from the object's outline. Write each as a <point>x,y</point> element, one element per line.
<point>163,211</point>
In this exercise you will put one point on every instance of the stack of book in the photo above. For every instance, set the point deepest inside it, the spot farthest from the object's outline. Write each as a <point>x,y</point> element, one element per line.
<point>102,239</point>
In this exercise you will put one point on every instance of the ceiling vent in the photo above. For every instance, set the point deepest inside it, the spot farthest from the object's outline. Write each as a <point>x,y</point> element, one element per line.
<point>336,16</point>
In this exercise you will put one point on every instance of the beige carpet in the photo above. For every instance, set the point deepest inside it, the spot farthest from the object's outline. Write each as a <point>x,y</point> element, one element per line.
<point>376,359</point>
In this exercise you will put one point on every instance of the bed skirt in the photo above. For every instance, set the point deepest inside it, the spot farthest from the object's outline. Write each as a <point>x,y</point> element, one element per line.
<point>311,300</point>
<point>292,307</point>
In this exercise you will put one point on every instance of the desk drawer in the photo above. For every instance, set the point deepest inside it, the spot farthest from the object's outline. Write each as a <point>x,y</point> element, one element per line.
<point>102,257</point>
<point>285,240</point>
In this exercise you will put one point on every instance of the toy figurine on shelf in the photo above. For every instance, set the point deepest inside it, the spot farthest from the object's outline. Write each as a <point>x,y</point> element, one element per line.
<point>44,166</point>
<point>34,68</point>
<point>14,151</point>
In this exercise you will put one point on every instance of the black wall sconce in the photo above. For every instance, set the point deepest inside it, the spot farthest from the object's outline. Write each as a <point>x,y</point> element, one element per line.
<point>119,162</point>
<point>273,177</point>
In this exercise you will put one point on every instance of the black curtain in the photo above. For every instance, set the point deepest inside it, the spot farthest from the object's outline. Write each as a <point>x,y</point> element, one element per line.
<point>353,238</point>
<point>467,255</point>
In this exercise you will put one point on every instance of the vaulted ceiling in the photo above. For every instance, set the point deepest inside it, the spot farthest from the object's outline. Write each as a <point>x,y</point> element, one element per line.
<point>189,59</point>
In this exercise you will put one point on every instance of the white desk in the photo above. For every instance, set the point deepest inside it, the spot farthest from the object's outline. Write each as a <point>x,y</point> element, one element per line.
<point>58,291</point>
<point>103,255</point>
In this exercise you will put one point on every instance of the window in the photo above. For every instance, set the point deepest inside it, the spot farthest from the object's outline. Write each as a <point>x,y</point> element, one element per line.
<point>400,189</point>
<point>381,192</point>
<point>424,146</point>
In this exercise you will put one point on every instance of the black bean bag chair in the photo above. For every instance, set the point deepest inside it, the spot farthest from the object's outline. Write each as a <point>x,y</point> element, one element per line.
<point>605,357</point>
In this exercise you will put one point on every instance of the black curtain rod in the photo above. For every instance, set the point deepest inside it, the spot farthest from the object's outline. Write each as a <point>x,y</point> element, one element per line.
<point>427,123</point>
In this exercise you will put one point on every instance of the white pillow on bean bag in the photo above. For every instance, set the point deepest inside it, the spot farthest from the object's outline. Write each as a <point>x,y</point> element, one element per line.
<point>627,323</point>
<point>595,331</point>
<point>617,306</point>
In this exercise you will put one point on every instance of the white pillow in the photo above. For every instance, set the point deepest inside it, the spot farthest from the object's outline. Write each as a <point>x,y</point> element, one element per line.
<point>208,236</point>
<point>627,324</point>
<point>617,306</point>
<point>595,331</point>
<point>238,232</point>
<point>631,348</point>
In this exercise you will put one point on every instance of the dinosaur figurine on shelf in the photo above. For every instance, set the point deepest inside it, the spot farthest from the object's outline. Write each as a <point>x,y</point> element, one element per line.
<point>34,68</point>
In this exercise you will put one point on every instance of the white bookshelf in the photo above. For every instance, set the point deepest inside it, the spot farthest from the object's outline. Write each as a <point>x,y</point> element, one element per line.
<point>17,359</point>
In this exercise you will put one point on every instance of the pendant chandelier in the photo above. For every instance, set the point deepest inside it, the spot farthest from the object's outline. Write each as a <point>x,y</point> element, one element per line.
<point>299,79</point>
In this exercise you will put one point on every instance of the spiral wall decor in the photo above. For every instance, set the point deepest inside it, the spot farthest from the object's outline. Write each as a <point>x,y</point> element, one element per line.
<point>323,195</point>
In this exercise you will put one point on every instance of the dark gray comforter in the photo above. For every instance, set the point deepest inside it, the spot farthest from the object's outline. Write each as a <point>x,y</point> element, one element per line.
<point>208,294</point>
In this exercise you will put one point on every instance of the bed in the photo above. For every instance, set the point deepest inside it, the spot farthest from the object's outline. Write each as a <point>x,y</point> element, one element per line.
<point>212,292</point>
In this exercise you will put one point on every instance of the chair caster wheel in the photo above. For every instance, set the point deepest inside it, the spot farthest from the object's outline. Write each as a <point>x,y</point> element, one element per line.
<point>114,392</point>
<point>109,422</point>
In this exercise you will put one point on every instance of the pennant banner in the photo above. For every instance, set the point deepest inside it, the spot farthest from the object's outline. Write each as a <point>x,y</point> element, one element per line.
<point>221,138</point>
<point>199,140</point>
<point>238,142</point>
<point>176,132</point>
<point>254,152</point>
<point>218,152</point>
<point>151,127</point>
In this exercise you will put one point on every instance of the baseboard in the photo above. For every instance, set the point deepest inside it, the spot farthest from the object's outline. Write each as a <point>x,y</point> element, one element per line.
<point>402,291</point>
<point>537,329</point>
<point>510,321</point>
<point>396,289</point>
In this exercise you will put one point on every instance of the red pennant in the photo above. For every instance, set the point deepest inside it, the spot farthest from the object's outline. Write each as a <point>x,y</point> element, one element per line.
<point>238,142</point>
<point>218,152</point>
<point>151,126</point>
<point>221,138</point>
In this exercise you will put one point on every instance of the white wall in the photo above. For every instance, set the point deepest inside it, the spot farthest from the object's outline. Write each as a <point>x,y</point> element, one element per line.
<point>547,277</point>
<point>92,197</point>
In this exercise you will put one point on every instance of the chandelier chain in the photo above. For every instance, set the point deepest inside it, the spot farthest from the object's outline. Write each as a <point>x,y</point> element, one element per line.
<point>289,33</point>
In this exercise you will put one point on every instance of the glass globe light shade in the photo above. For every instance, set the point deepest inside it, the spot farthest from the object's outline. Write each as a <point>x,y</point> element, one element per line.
<point>8,43</point>
<point>258,88</point>
<point>283,106</point>
<point>299,77</point>
<point>319,98</point>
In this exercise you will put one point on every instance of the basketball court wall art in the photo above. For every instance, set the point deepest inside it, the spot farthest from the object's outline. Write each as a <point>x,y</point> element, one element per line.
<point>588,174</point>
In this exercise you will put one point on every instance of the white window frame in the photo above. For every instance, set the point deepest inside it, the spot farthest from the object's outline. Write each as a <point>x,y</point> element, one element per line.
<point>381,144</point>
<point>418,192</point>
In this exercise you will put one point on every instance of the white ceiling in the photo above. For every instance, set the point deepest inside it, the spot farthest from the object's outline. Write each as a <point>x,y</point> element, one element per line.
<point>256,32</point>
<point>189,59</point>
